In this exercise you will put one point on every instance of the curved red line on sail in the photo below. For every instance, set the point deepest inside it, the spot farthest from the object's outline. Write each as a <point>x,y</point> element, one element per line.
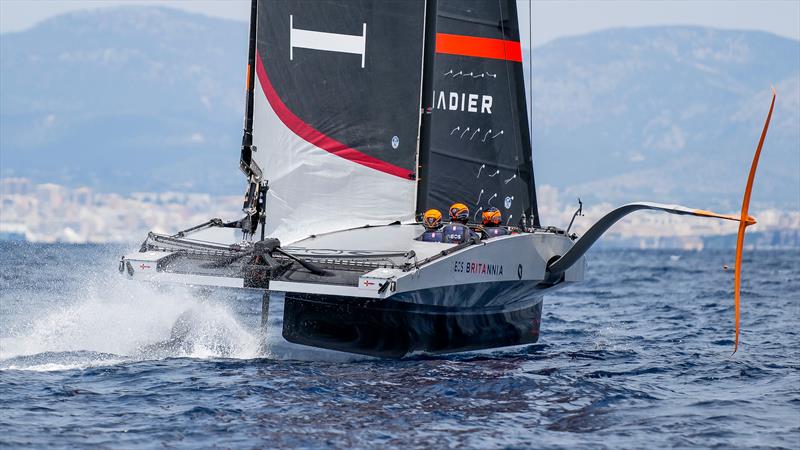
<point>314,137</point>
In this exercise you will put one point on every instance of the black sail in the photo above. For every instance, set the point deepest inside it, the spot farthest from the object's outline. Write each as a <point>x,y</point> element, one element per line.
<point>363,99</point>
<point>476,142</point>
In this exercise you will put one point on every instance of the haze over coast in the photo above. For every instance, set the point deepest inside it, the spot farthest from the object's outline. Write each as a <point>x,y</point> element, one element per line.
<point>118,101</point>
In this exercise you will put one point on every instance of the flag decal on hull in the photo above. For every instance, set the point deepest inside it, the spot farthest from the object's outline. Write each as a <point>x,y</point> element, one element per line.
<point>328,42</point>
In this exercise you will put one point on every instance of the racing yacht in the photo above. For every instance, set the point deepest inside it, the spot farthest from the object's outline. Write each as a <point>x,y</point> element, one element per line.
<point>359,116</point>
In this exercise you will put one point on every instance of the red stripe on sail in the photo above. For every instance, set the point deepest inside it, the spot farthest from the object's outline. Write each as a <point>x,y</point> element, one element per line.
<point>478,47</point>
<point>314,137</point>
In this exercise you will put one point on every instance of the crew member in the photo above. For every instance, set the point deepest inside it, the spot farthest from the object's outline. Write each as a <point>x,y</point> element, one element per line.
<point>491,223</point>
<point>432,221</point>
<point>458,231</point>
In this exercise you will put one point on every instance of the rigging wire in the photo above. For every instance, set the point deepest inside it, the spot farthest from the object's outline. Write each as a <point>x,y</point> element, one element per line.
<point>530,74</point>
<point>514,123</point>
<point>530,107</point>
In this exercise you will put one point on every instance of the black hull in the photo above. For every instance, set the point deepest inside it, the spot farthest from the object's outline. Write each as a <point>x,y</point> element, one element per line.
<point>389,329</point>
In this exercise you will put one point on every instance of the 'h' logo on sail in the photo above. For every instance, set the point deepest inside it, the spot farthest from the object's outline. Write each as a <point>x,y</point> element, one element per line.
<point>329,42</point>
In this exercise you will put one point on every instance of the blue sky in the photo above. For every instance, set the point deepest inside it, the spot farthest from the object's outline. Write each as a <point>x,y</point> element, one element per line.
<point>551,18</point>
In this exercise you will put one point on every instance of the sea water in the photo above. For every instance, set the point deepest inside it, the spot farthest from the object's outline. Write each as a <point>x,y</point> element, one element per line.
<point>637,356</point>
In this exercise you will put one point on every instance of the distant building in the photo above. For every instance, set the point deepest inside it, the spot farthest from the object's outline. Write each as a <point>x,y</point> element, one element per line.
<point>51,195</point>
<point>145,197</point>
<point>15,186</point>
<point>82,196</point>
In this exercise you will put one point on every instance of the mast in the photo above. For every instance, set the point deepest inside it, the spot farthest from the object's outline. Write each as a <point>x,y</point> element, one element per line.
<point>255,196</point>
<point>423,157</point>
<point>246,160</point>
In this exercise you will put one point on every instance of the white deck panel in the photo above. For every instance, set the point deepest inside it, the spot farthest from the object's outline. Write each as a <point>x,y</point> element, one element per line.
<point>390,238</point>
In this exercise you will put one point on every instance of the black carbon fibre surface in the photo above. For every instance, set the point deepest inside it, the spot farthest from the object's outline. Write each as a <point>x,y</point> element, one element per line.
<point>392,330</point>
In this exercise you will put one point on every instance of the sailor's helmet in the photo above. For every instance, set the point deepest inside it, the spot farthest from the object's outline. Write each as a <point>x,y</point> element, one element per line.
<point>459,213</point>
<point>432,219</point>
<point>492,217</point>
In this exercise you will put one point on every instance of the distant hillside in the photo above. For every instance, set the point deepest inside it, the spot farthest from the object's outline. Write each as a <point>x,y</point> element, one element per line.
<point>667,113</point>
<point>127,98</point>
<point>148,98</point>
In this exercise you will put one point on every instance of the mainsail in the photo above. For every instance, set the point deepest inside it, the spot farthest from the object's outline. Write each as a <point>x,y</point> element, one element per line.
<point>476,143</point>
<point>336,112</point>
<point>350,128</point>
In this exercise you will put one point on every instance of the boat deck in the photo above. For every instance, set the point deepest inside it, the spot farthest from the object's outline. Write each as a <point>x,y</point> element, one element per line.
<point>369,242</point>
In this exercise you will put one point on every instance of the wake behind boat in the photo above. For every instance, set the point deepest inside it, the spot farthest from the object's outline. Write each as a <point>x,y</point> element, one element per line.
<point>359,117</point>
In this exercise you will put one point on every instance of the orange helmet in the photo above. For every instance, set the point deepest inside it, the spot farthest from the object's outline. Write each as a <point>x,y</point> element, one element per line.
<point>432,219</point>
<point>459,213</point>
<point>492,217</point>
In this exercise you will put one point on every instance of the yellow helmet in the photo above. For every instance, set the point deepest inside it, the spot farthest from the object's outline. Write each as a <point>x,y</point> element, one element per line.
<point>492,216</point>
<point>459,213</point>
<point>432,219</point>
